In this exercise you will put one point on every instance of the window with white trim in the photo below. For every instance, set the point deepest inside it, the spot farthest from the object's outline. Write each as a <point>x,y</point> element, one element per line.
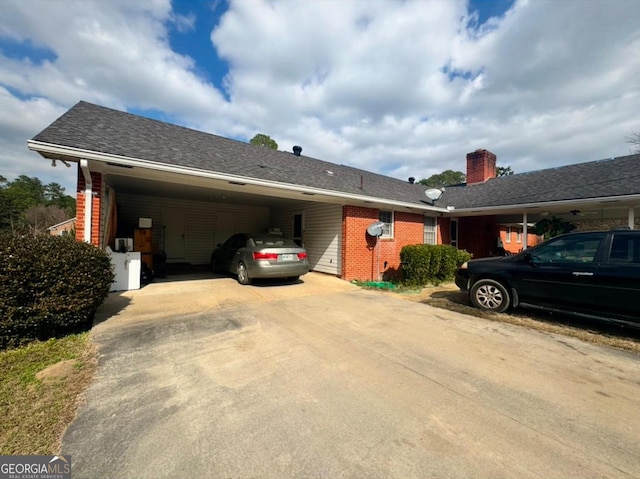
<point>508,235</point>
<point>387,218</point>
<point>430,224</point>
<point>519,235</point>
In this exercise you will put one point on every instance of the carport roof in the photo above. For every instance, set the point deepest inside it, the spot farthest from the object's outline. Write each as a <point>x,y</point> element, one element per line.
<point>615,177</point>
<point>116,134</point>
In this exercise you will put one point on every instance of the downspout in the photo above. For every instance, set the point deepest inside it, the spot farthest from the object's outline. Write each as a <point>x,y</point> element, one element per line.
<point>88,197</point>
<point>525,230</point>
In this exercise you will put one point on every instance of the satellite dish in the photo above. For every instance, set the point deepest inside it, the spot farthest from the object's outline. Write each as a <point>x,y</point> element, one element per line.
<point>375,229</point>
<point>433,194</point>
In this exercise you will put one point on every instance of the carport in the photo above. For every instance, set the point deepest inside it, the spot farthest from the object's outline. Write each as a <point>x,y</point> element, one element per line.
<point>190,215</point>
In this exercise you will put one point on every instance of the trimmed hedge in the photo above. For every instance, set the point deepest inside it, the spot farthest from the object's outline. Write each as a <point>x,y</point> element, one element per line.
<point>423,264</point>
<point>49,286</point>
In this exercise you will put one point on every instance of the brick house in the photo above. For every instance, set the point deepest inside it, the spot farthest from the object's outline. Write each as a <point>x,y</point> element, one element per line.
<point>66,227</point>
<point>197,189</point>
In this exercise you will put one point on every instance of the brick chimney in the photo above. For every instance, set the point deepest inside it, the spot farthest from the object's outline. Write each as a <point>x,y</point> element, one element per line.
<point>481,166</point>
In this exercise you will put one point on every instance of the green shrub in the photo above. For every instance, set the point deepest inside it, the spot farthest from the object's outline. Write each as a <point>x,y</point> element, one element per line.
<point>49,286</point>
<point>423,264</point>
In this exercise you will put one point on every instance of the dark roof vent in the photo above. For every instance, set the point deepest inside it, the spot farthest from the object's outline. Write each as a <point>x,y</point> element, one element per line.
<point>297,150</point>
<point>412,180</point>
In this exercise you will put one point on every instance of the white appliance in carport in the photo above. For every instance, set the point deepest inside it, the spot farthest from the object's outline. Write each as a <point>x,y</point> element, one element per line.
<point>126,267</point>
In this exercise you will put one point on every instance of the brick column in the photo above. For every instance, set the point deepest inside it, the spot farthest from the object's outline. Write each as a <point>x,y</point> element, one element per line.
<point>96,179</point>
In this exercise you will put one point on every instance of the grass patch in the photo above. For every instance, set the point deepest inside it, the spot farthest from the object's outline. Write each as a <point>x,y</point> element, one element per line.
<point>387,286</point>
<point>449,297</point>
<point>39,388</point>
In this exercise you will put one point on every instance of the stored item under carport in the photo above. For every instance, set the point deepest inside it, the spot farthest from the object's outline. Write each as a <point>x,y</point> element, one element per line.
<point>143,242</point>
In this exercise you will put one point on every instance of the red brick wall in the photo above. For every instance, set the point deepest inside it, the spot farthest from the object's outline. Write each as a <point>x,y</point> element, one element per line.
<point>481,165</point>
<point>513,246</point>
<point>66,228</point>
<point>96,179</point>
<point>478,235</point>
<point>359,253</point>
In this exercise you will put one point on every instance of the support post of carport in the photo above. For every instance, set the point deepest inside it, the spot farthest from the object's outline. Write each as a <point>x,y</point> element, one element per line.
<point>88,196</point>
<point>632,217</point>
<point>525,232</point>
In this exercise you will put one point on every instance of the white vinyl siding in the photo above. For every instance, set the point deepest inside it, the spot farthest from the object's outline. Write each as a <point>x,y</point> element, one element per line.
<point>322,226</point>
<point>200,228</point>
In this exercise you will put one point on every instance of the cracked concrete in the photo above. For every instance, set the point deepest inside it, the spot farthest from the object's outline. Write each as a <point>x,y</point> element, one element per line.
<point>206,378</point>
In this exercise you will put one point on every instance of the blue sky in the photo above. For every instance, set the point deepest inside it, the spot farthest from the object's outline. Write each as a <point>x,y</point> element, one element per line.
<point>403,88</point>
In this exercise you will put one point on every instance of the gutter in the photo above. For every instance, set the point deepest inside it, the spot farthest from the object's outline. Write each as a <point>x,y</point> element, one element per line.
<point>43,148</point>
<point>88,197</point>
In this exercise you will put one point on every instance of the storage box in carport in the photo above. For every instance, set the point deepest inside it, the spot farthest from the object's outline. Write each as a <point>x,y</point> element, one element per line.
<point>142,242</point>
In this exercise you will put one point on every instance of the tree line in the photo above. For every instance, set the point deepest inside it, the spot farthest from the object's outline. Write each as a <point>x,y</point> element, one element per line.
<point>439,180</point>
<point>28,206</point>
<point>450,177</point>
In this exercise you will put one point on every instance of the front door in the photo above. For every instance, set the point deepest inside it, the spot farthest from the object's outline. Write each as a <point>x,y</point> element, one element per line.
<point>453,232</point>
<point>298,229</point>
<point>173,228</point>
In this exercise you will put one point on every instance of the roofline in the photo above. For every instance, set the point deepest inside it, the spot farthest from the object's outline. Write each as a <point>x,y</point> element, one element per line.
<point>44,147</point>
<point>62,223</point>
<point>545,204</point>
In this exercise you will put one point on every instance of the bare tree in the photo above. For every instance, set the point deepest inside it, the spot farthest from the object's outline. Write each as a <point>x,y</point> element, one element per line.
<point>39,218</point>
<point>634,140</point>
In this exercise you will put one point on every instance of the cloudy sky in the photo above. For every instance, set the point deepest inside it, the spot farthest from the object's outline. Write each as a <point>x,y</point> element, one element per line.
<point>403,88</point>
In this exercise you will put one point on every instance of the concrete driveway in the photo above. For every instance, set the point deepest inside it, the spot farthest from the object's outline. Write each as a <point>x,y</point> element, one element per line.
<point>205,378</point>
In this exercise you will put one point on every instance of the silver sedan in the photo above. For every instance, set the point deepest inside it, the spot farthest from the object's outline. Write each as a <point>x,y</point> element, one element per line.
<point>259,256</point>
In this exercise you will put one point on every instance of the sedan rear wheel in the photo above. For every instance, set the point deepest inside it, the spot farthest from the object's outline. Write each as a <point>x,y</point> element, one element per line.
<point>490,295</point>
<point>243,274</point>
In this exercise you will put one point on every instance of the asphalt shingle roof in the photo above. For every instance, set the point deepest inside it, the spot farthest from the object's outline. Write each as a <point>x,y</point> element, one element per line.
<point>99,129</point>
<point>595,179</point>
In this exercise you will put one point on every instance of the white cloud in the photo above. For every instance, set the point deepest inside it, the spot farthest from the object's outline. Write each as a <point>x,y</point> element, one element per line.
<point>113,53</point>
<point>364,59</point>
<point>533,86</point>
<point>403,88</point>
<point>19,121</point>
